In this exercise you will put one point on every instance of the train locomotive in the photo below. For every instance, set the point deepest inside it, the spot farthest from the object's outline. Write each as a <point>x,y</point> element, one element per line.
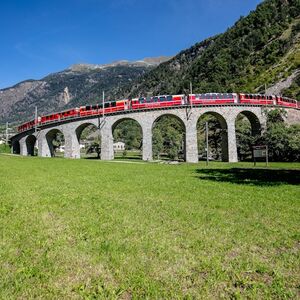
<point>161,101</point>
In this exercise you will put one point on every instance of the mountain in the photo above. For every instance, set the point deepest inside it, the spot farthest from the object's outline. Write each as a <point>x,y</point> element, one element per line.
<point>260,51</point>
<point>78,85</point>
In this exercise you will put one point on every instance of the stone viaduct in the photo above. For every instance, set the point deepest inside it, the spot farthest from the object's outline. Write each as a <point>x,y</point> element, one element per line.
<point>23,143</point>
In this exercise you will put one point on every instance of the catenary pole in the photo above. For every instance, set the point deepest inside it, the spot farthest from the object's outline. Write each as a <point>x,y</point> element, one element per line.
<point>103,96</point>
<point>206,133</point>
<point>191,92</point>
<point>35,119</point>
<point>6,134</point>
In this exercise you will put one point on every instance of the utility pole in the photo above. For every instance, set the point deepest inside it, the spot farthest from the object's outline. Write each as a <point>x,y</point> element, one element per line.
<point>6,134</point>
<point>267,155</point>
<point>206,133</point>
<point>103,96</point>
<point>99,121</point>
<point>35,119</point>
<point>265,89</point>
<point>191,92</point>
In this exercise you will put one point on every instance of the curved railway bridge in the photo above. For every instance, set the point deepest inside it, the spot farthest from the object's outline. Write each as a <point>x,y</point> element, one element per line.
<point>23,143</point>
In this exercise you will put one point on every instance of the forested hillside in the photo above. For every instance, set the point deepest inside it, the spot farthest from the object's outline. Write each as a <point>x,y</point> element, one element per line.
<point>260,50</point>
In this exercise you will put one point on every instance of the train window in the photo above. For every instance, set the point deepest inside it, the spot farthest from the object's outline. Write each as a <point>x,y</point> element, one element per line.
<point>106,104</point>
<point>169,98</point>
<point>113,104</point>
<point>162,98</point>
<point>94,107</point>
<point>88,107</point>
<point>155,99</point>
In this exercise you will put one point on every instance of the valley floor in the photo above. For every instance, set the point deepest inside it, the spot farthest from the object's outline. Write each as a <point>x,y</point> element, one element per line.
<point>92,229</point>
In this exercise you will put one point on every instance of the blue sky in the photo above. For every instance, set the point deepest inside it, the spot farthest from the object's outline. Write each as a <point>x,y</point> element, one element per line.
<point>39,37</point>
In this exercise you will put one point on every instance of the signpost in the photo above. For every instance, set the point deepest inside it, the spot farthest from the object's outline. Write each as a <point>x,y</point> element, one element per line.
<point>260,152</point>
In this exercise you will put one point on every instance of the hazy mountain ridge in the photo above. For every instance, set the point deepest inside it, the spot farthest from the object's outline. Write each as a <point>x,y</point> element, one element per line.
<point>78,85</point>
<point>148,61</point>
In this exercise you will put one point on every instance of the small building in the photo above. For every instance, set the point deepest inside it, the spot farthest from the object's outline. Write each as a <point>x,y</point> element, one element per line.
<point>119,146</point>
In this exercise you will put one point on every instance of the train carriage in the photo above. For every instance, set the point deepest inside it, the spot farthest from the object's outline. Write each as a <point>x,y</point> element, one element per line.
<point>213,98</point>
<point>257,99</point>
<point>109,107</point>
<point>157,101</point>
<point>283,101</point>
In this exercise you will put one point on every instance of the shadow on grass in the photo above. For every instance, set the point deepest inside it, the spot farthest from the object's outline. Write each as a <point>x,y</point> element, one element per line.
<point>128,158</point>
<point>260,177</point>
<point>118,158</point>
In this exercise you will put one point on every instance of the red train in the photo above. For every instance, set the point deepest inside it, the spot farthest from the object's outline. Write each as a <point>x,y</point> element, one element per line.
<point>161,101</point>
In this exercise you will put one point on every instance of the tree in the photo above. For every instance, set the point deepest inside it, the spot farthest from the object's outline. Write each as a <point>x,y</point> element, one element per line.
<point>283,141</point>
<point>168,137</point>
<point>157,142</point>
<point>94,148</point>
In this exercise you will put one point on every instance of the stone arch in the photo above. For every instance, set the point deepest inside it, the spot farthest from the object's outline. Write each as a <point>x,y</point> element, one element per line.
<point>30,143</point>
<point>254,120</point>
<point>81,127</point>
<point>224,132</point>
<point>183,126</point>
<point>78,132</point>
<point>50,136</point>
<point>137,122</point>
<point>125,118</point>
<point>16,148</point>
<point>248,128</point>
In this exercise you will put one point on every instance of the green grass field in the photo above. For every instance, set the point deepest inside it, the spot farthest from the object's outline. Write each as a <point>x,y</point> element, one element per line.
<point>88,229</point>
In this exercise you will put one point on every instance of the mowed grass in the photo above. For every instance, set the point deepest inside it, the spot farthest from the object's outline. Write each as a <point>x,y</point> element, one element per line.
<point>88,229</point>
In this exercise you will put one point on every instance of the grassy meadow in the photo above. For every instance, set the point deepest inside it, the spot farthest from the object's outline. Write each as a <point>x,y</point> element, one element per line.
<point>86,229</point>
